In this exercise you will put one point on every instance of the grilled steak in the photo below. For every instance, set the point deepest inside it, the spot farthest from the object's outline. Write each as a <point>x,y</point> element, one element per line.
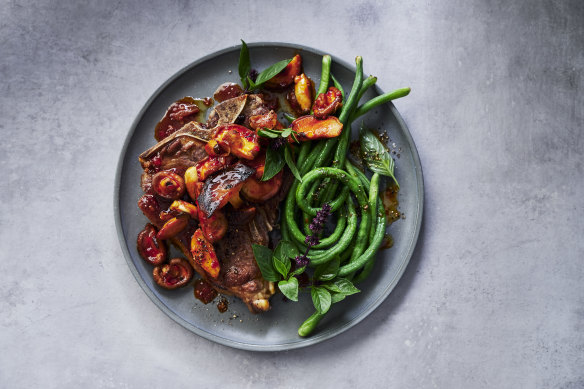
<point>251,223</point>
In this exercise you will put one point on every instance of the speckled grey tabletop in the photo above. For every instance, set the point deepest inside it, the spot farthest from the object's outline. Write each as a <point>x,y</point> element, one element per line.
<point>494,294</point>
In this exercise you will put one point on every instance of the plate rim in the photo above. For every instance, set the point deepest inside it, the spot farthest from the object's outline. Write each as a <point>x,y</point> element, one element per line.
<point>304,342</point>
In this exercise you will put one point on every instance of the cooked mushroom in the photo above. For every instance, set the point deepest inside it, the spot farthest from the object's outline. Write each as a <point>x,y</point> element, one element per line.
<point>149,247</point>
<point>169,185</point>
<point>176,273</point>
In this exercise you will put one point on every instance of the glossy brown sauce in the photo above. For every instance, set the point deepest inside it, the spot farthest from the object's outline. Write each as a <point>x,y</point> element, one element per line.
<point>391,203</point>
<point>204,292</point>
<point>387,242</point>
<point>222,305</point>
<point>179,113</point>
<point>226,91</point>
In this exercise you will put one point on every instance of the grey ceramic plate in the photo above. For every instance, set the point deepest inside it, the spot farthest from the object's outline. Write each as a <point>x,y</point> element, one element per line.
<point>276,329</point>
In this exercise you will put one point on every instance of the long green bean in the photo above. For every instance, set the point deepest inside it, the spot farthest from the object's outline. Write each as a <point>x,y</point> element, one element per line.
<point>367,83</point>
<point>289,117</point>
<point>325,74</point>
<point>377,101</point>
<point>328,177</point>
<point>371,250</point>
<point>318,257</point>
<point>373,196</point>
<point>338,86</point>
<point>354,94</point>
<point>310,324</point>
<point>344,118</point>
<point>338,174</point>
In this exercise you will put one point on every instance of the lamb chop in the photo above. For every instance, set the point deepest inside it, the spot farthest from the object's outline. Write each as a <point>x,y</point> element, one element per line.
<point>248,222</point>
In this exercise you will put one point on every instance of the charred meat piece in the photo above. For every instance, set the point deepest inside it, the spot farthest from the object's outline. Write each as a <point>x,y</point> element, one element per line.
<point>219,188</point>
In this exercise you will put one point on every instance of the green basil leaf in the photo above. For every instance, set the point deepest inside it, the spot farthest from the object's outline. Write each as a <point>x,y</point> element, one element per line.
<point>285,249</point>
<point>290,163</point>
<point>300,270</point>
<point>289,117</point>
<point>321,298</point>
<point>274,163</point>
<point>286,132</point>
<point>282,265</point>
<point>268,134</point>
<point>271,71</point>
<point>244,64</point>
<point>333,288</point>
<point>336,297</point>
<point>345,286</point>
<point>327,271</point>
<point>289,288</point>
<point>263,257</point>
<point>376,155</point>
<point>252,84</point>
<point>294,137</point>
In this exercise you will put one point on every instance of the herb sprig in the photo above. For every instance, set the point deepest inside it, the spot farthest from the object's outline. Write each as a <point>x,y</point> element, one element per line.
<point>276,267</point>
<point>244,69</point>
<point>326,287</point>
<point>376,155</point>
<point>279,153</point>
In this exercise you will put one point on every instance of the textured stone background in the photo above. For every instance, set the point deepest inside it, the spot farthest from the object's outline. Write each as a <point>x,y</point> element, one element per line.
<point>494,295</point>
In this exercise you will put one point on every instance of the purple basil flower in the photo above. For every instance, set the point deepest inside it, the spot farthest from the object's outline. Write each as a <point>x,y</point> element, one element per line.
<point>311,240</point>
<point>301,260</point>
<point>277,143</point>
<point>318,222</point>
<point>253,74</point>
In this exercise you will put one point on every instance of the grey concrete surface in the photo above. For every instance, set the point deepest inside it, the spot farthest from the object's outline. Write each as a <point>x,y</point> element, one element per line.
<point>494,295</point>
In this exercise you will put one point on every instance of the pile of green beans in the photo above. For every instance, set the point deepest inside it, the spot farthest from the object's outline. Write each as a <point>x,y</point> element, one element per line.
<point>324,168</point>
